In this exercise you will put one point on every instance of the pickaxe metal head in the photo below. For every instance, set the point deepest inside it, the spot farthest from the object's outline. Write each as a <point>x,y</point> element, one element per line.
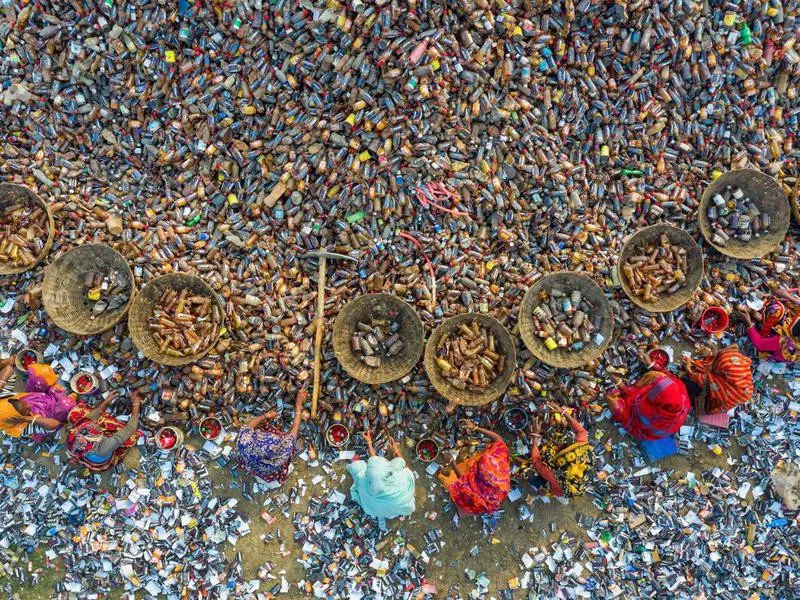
<point>322,253</point>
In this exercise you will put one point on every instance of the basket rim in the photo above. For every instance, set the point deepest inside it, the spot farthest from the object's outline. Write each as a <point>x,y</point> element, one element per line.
<point>140,298</point>
<point>745,250</point>
<point>534,345</point>
<point>467,397</point>
<point>51,227</point>
<point>379,375</point>
<point>691,246</point>
<point>52,269</point>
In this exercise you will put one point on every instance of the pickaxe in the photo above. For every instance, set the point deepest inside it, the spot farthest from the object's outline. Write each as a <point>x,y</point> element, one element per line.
<point>322,255</point>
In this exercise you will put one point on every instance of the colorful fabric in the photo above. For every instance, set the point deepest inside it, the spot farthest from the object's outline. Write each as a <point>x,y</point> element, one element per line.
<point>779,326</point>
<point>653,408</point>
<point>12,422</point>
<point>383,488</point>
<point>485,482</point>
<point>266,452</point>
<point>788,338</point>
<point>44,397</point>
<point>725,378</point>
<point>86,434</point>
<point>10,386</point>
<point>766,344</point>
<point>772,314</point>
<point>569,462</point>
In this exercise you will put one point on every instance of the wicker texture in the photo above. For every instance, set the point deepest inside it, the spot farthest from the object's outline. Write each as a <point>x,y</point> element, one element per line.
<point>10,192</point>
<point>142,309</point>
<point>566,282</point>
<point>64,294</point>
<point>793,192</point>
<point>767,195</point>
<point>507,348</point>
<point>694,256</point>
<point>380,306</point>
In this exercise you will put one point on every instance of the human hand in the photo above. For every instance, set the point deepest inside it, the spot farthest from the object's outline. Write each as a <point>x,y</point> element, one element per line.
<point>468,425</point>
<point>394,446</point>
<point>271,414</point>
<point>301,398</point>
<point>136,400</point>
<point>745,316</point>
<point>555,408</point>
<point>536,426</point>
<point>367,435</point>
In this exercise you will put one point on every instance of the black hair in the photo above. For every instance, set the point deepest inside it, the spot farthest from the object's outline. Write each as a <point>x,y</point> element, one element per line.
<point>796,329</point>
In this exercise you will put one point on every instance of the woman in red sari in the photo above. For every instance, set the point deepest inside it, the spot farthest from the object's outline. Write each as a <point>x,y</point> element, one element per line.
<point>479,484</point>
<point>652,408</point>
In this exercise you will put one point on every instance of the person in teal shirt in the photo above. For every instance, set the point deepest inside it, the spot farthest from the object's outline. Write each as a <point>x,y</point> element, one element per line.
<point>383,488</point>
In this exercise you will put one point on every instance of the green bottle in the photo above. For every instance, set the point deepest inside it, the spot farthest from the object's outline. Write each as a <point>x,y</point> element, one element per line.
<point>744,34</point>
<point>631,172</point>
<point>355,217</point>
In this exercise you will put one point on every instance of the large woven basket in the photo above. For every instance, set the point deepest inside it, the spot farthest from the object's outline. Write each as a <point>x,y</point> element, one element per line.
<point>9,193</point>
<point>768,196</point>
<point>792,192</point>
<point>567,282</point>
<point>380,306</point>
<point>64,294</point>
<point>694,256</point>
<point>142,309</point>
<point>469,397</point>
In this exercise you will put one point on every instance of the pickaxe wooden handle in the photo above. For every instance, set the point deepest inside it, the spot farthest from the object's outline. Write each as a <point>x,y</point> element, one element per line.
<point>318,333</point>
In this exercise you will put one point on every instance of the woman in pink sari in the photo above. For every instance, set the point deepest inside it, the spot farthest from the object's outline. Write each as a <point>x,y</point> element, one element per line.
<point>38,411</point>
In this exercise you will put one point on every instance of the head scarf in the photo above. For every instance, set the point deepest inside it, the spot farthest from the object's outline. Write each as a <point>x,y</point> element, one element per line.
<point>44,397</point>
<point>266,452</point>
<point>570,462</point>
<point>772,315</point>
<point>653,408</point>
<point>789,338</point>
<point>485,482</point>
<point>84,438</point>
<point>725,378</point>
<point>86,434</point>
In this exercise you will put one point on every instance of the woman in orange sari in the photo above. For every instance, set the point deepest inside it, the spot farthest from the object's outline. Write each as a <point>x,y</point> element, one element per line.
<point>478,485</point>
<point>719,381</point>
<point>38,411</point>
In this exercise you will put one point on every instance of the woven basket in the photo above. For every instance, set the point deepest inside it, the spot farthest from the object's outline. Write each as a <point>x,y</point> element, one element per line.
<point>469,397</point>
<point>10,192</point>
<point>768,197</point>
<point>694,256</point>
<point>381,306</point>
<point>64,294</point>
<point>791,185</point>
<point>142,309</point>
<point>567,282</point>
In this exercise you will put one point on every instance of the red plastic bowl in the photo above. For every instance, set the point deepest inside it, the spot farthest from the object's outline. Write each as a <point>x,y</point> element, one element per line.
<point>28,359</point>
<point>714,320</point>
<point>337,435</point>
<point>659,358</point>
<point>166,439</point>
<point>210,428</point>
<point>427,450</point>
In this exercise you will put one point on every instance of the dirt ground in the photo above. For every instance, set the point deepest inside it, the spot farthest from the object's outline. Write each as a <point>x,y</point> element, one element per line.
<point>498,554</point>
